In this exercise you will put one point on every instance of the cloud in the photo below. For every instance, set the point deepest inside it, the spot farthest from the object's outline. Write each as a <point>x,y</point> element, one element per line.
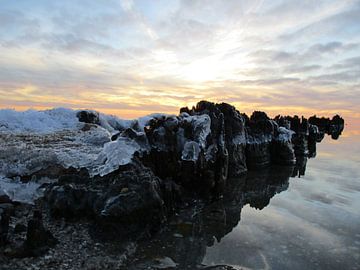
<point>132,55</point>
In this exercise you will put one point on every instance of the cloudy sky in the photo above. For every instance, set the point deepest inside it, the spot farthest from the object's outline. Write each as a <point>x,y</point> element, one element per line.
<point>132,57</point>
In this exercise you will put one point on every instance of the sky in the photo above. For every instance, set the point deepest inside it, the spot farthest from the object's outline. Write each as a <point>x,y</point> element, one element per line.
<point>132,58</point>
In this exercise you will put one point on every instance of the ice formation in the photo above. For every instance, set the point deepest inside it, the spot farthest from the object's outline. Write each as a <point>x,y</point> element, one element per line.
<point>34,140</point>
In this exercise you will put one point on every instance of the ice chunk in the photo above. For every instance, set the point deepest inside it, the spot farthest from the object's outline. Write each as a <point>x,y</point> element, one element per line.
<point>191,151</point>
<point>284,135</point>
<point>20,192</point>
<point>201,125</point>
<point>259,138</point>
<point>211,152</point>
<point>112,123</point>
<point>114,154</point>
<point>239,139</point>
<point>164,263</point>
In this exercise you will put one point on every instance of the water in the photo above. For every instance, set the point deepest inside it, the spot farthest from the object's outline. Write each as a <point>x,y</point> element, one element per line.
<point>269,220</point>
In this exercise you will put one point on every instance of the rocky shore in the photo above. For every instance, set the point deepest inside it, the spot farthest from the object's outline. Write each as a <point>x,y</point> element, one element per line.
<point>98,185</point>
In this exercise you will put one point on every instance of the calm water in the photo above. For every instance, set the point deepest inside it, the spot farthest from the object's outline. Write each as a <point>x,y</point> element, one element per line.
<point>314,224</point>
<point>269,220</point>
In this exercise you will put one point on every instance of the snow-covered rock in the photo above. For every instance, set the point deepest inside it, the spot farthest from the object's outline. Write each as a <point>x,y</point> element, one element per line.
<point>285,134</point>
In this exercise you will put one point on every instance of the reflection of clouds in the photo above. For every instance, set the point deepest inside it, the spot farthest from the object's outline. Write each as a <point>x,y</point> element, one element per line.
<point>276,235</point>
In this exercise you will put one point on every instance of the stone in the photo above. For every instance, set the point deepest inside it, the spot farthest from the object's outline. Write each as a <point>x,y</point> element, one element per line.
<point>90,117</point>
<point>38,239</point>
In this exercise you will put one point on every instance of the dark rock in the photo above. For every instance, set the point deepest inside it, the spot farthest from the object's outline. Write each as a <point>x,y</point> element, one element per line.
<point>4,226</point>
<point>19,228</point>
<point>38,239</point>
<point>90,117</point>
<point>4,198</point>
<point>333,127</point>
<point>234,144</point>
<point>131,198</point>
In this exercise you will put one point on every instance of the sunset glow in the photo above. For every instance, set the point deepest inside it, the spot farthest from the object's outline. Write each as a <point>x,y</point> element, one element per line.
<point>132,58</point>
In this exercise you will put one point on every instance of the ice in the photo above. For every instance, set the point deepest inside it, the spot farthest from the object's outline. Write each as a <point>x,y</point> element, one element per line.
<point>164,263</point>
<point>191,151</point>
<point>259,139</point>
<point>26,153</point>
<point>239,139</point>
<point>35,140</point>
<point>285,134</point>
<point>18,191</point>
<point>202,127</point>
<point>144,121</point>
<point>31,141</point>
<point>211,152</point>
<point>114,154</point>
<point>112,123</point>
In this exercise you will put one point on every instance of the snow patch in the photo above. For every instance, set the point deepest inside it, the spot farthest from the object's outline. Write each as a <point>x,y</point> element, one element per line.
<point>202,127</point>
<point>285,134</point>
<point>191,151</point>
<point>38,121</point>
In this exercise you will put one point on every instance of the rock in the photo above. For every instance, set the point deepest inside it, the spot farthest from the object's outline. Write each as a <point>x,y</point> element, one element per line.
<point>19,228</point>
<point>90,117</point>
<point>4,226</point>
<point>209,142</point>
<point>8,208</point>
<point>38,239</point>
<point>333,127</point>
<point>131,198</point>
<point>4,198</point>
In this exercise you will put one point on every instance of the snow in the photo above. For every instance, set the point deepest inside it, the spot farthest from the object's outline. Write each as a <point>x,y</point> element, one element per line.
<point>239,139</point>
<point>35,140</point>
<point>191,151</point>
<point>144,121</point>
<point>38,121</point>
<point>113,123</point>
<point>202,127</point>
<point>285,134</point>
<point>258,139</point>
<point>211,152</point>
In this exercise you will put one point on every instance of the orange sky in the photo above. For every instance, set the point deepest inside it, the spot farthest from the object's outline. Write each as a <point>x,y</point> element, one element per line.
<point>131,58</point>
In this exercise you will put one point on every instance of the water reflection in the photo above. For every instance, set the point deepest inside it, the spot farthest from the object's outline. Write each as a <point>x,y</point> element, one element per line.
<point>195,228</point>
